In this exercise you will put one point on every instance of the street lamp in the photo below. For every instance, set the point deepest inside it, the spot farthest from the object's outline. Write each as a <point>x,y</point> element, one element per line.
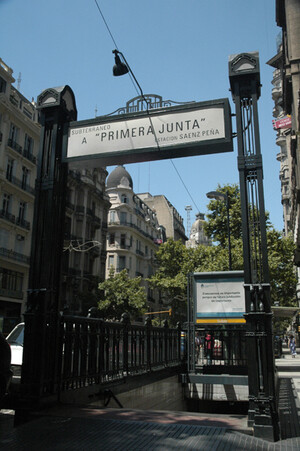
<point>122,68</point>
<point>221,196</point>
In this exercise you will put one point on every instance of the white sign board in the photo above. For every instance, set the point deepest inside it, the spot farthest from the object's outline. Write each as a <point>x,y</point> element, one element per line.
<point>219,297</point>
<point>153,134</point>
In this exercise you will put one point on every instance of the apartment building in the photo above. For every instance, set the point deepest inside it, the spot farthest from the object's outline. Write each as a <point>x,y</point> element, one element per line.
<point>133,232</point>
<point>286,96</point>
<point>84,254</point>
<point>167,216</point>
<point>19,142</point>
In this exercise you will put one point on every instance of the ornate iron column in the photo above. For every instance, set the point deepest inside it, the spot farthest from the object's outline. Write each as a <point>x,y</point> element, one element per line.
<point>39,371</point>
<point>244,75</point>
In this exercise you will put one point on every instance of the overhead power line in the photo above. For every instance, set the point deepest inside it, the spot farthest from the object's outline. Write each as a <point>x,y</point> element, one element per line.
<point>116,46</point>
<point>108,29</point>
<point>197,208</point>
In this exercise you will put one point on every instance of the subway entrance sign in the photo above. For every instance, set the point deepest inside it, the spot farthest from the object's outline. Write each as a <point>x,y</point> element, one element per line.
<point>195,128</point>
<point>219,298</point>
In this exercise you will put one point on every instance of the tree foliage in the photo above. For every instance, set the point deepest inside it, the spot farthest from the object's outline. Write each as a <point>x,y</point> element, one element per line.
<point>122,294</point>
<point>283,275</point>
<point>175,261</point>
<point>216,225</point>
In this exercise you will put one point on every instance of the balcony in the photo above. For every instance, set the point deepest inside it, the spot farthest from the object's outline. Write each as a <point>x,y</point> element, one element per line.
<point>14,255</point>
<point>276,92</point>
<point>27,154</point>
<point>23,223</point>
<point>130,224</point>
<point>20,184</point>
<point>8,216</point>
<point>14,101</point>
<point>16,294</point>
<point>125,246</point>
<point>14,145</point>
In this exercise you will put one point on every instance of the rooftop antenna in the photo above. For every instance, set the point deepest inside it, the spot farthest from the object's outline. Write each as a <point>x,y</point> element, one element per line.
<point>188,210</point>
<point>96,111</point>
<point>19,81</point>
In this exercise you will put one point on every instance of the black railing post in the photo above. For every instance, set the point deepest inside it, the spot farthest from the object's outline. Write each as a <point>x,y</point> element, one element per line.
<point>149,337</point>
<point>125,320</point>
<point>167,343</point>
<point>179,357</point>
<point>41,340</point>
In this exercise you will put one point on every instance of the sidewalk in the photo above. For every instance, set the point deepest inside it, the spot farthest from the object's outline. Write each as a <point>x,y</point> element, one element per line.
<point>86,428</point>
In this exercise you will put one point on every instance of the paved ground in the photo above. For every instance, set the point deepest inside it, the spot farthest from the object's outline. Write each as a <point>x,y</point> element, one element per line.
<point>86,428</point>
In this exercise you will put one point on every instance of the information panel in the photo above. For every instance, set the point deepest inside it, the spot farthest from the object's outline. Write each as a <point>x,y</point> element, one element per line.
<point>179,131</point>
<point>219,297</point>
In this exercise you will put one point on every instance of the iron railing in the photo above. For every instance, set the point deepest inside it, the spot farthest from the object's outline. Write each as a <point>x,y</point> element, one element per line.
<point>94,351</point>
<point>227,348</point>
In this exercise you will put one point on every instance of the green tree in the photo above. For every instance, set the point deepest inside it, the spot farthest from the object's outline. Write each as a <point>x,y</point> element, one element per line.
<point>280,249</point>
<point>283,275</point>
<point>122,294</point>
<point>216,225</point>
<point>175,261</point>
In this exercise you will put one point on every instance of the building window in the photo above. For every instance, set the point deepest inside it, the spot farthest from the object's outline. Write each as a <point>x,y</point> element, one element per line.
<point>10,169</point>
<point>25,177</point>
<point>2,85</point>
<point>19,244</point>
<point>22,211</point>
<point>124,199</point>
<point>123,240</point>
<point>11,280</point>
<point>122,263</point>
<point>123,217</point>
<point>111,261</point>
<point>4,238</point>
<point>112,216</point>
<point>28,144</point>
<point>111,239</point>
<point>6,203</point>
<point>13,133</point>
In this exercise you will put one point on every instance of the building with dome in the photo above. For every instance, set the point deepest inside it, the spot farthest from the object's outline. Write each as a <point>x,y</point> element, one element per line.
<point>133,232</point>
<point>197,234</point>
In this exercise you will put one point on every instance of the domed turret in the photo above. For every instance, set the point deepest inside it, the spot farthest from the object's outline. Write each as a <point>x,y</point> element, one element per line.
<point>119,176</point>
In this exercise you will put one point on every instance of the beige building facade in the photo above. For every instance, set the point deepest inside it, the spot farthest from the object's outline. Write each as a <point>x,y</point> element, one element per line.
<point>167,216</point>
<point>19,143</point>
<point>133,232</point>
<point>84,254</point>
<point>197,234</point>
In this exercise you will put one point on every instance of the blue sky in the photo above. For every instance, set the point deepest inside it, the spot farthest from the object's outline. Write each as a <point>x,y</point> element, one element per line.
<point>178,49</point>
